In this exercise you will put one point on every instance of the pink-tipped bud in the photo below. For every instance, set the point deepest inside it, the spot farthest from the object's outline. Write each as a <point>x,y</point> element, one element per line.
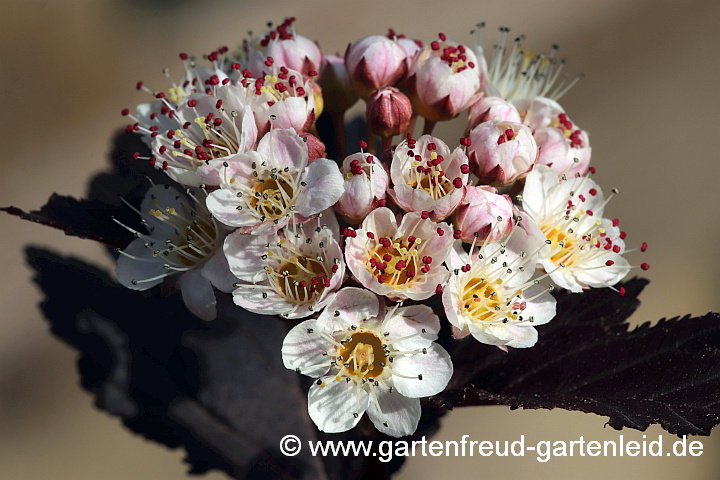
<point>365,183</point>
<point>497,159</point>
<point>388,112</point>
<point>375,62</point>
<point>482,214</point>
<point>316,148</point>
<point>492,108</point>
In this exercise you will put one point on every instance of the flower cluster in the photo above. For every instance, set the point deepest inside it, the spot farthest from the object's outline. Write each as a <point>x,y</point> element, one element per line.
<point>356,246</point>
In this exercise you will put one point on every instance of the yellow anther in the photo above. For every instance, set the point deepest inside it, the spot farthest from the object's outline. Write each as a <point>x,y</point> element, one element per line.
<point>433,155</point>
<point>171,211</point>
<point>601,230</point>
<point>269,254</point>
<point>396,245</point>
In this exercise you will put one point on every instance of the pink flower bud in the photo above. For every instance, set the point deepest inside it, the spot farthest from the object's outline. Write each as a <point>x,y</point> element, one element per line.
<point>316,148</point>
<point>365,184</point>
<point>492,108</point>
<point>388,112</point>
<point>287,49</point>
<point>338,91</point>
<point>501,152</point>
<point>373,63</point>
<point>482,214</point>
<point>444,80</point>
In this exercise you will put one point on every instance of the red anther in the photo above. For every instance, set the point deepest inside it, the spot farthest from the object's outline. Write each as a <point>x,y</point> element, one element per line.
<point>590,213</point>
<point>363,144</point>
<point>501,139</point>
<point>438,289</point>
<point>387,257</point>
<point>165,165</point>
<point>432,147</point>
<point>371,235</point>
<point>623,235</point>
<point>440,231</point>
<point>509,134</point>
<point>440,159</point>
<point>183,56</point>
<point>129,129</point>
<point>300,91</point>
<point>615,222</point>
<point>457,234</point>
<point>125,111</point>
<point>219,104</point>
<point>442,37</point>
<point>139,85</point>
<point>381,278</point>
<point>217,122</point>
<point>326,282</point>
<point>152,161</point>
<point>425,268</point>
<point>592,170</point>
<point>424,215</point>
<point>135,155</point>
<point>411,239</point>
<point>471,64</point>
<point>315,281</point>
<point>593,192</point>
<point>188,152</point>
<point>427,260</point>
<point>410,273</point>
<point>616,248</point>
<point>160,95</point>
<point>465,168</point>
<point>643,247</point>
<point>236,66</point>
<point>607,246</point>
<point>645,266</point>
<point>400,264</point>
<point>303,284</point>
<point>458,183</point>
<point>435,45</point>
<point>609,263</point>
<point>170,134</point>
<point>136,127</point>
<point>335,268</point>
<point>153,116</point>
<point>162,149</point>
<point>192,103</point>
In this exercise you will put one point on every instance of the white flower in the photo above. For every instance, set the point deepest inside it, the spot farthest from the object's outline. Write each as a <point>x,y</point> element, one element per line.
<point>399,262</point>
<point>585,250</point>
<point>182,239</point>
<point>427,177</point>
<point>367,360</point>
<point>521,74</point>
<point>490,293</point>
<point>293,273</point>
<point>260,191</point>
<point>196,126</point>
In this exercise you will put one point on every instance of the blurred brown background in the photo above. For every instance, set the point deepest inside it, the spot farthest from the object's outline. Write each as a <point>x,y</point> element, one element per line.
<point>650,100</point>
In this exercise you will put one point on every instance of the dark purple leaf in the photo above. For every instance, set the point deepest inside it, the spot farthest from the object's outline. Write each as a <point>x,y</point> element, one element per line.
<point>588,359</point>
<point>218,389</point>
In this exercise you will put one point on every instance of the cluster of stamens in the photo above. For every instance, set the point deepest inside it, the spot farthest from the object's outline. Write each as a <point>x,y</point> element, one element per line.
<point>575,136</point>
<point>453,55</point>
<point>427,173</point>
<point>523,74</point>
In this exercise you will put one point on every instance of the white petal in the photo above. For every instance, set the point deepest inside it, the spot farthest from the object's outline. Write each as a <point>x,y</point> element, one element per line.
<point>251,298</point>
<point>303,349</point>
<point>284,148</point>
<point>198,294</point>
<point>223,205</point>
<point>412,320</point>
<point>351,306</point>
<point>435,367</point>
<point>244,255</point>
<point>542,309</point>
<point>217,271</point>
<point>324,186</point>
<point>394,414</point>
<point>336,406</point>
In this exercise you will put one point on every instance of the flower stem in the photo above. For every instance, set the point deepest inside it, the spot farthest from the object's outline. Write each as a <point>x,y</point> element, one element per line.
<point>429,126</point>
